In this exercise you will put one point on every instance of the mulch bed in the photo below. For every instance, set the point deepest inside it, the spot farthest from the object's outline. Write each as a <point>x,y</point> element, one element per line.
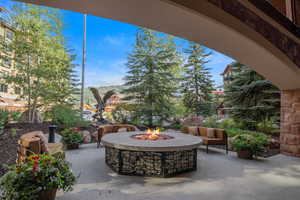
<point>9,141</point>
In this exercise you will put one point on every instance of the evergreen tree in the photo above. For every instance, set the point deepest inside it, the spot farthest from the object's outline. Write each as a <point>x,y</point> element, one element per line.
<point>252,98</point>
<point>197,83</point>
<point>151,81</point>
<point>43,66</point>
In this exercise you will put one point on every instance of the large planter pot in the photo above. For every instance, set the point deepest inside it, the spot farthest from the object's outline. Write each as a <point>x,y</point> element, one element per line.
<point>72,146</point>
<point>245,154</point>
<point>47,195</point>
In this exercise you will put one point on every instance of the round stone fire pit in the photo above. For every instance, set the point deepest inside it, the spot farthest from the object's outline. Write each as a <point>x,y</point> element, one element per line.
<point>127,154</point>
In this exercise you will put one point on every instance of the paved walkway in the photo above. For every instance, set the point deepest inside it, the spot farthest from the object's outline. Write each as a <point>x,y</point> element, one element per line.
<point>219,176</point>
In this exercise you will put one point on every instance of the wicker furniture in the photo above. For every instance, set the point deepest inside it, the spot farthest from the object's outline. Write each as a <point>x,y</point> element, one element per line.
<point>107,129</point>
<point>34,143</point>
<point>210,136</point>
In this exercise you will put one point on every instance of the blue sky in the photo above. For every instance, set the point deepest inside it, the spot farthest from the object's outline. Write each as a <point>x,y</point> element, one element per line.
<point>108,43</point>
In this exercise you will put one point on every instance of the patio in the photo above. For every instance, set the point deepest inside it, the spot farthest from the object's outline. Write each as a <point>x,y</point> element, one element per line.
<point>219,176</point>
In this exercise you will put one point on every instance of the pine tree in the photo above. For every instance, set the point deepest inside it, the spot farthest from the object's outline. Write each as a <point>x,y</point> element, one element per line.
<point>43,66</point>
<point>197,83</point>
<point>252,98</point>
<point>151,81</point>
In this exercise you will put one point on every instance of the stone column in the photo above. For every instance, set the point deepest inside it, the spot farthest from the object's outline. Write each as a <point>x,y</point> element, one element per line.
<point>290,122</point>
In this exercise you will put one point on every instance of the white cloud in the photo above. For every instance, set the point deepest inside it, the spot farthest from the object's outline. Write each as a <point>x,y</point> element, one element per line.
<point>111,73</point>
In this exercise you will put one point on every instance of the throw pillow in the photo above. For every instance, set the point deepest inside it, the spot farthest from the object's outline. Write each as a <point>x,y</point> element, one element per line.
<point>193,130</point>
<point>211,133</point>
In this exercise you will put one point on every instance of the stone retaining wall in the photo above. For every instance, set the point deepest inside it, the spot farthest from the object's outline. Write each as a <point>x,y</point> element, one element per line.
<point>290,122</point>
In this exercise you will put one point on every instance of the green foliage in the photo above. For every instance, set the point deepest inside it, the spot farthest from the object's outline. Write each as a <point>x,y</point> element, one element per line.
<point>39,173</point>
<point>227,123</point>
<point>16,116</point>
<point>180,110</point>
<point>249,142</point>
<point>13,132</point>
<point>269,126</point>
<point>252,98</point>
<point>197,81</point>
<point>44,68</point>
<point>4,118</point>
<point>152,79</point>
<point>210,122</point>
<point>124,113</point>
<point>72,136</point>
<point>66,117</point>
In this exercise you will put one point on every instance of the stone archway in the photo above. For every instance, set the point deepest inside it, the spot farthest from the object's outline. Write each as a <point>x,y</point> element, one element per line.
<point>234,27</point>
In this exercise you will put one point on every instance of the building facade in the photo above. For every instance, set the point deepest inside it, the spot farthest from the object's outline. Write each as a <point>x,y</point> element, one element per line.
<point>9,96</point>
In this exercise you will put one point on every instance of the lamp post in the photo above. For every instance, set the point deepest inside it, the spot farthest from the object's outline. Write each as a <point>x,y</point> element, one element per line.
<point>83,66</point>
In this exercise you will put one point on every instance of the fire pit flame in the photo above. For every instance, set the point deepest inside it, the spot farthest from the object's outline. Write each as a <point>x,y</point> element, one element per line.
<point>152,135</point>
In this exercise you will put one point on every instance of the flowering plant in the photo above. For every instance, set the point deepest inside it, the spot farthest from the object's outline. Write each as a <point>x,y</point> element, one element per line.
<point>72,136</point>
<point>39,173</point>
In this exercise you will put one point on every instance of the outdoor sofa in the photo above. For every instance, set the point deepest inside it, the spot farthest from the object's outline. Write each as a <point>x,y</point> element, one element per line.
<point>210,136</point>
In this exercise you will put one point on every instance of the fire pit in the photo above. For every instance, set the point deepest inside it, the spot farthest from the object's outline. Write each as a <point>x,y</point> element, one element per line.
<point>143,154</point>
<point>152,135</point>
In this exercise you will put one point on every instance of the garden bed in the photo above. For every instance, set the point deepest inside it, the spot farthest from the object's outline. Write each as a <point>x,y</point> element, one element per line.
<point>9,141</point>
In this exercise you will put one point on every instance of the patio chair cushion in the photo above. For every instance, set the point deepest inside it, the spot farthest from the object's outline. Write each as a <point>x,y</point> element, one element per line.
<point>193,130</point>
<point>220,133</point>
<point>211,133</point>
<point>43,142</point>
<point>203,131</point>
<point>212,141</point>
<point>56,149</point>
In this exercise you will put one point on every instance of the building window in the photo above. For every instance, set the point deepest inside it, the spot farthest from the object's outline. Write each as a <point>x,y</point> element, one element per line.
<point>3,73</point>
<point>17,90</point>
<point>9,35</point>
<point>7,62</point>
<point>7,49</point>
<point>3,88</point>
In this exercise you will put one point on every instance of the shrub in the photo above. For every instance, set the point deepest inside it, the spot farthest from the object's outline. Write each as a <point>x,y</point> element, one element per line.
<point>124,113</point>
<point>39,173</point>
<point>253,143</point>
<point>72,136</point>
<point>267,127</point>
<point>4,118</point>
<point>227,123</point>
<point>66,117</point>
<point>210,122</point>
<point>16,116</point>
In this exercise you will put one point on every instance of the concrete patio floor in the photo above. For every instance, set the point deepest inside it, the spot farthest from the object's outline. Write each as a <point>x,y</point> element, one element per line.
<point>219,176</point>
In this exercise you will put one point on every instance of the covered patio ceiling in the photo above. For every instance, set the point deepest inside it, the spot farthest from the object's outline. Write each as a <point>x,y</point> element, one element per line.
<point>198,21</point>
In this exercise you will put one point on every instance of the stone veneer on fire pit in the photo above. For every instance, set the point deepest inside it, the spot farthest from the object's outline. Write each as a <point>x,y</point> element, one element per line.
<point>163,158</point>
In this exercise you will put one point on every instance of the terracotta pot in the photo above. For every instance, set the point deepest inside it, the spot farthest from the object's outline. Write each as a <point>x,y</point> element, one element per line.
<point>72,146</point>
<point>47,195</point>
<point>245,154</point>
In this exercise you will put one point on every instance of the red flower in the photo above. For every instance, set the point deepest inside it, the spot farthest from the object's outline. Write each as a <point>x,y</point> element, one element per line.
<point>35,164</point>
<point>35,157</point>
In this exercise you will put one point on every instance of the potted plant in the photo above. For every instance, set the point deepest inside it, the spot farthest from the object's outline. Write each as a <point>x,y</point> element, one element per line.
<point>37,179</point>
<point>247,145</point>
<point>72,137</point>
